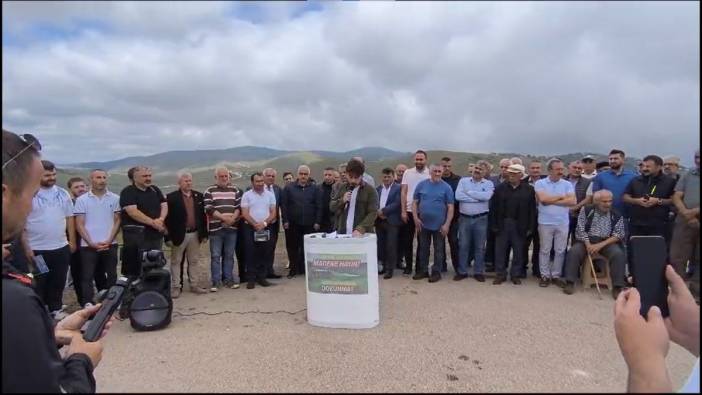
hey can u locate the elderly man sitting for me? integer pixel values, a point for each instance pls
(600, 229)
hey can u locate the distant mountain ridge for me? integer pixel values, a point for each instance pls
(243, 161)
(183, 159)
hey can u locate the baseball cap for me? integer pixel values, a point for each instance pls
(516, 169)
(588, 158)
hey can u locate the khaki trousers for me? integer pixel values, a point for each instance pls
(198, 269)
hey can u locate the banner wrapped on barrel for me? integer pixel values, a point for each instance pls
(344, 274)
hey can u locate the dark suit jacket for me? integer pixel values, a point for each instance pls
(175, 221)
(276, 225)
(392, 209)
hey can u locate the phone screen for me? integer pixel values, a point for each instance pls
(649, 261)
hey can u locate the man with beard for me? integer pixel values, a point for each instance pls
(452, 179)
(649, 197)
(31, 362)
(325, 191)
(76, 187)
(356, 209)
(49, 247)
(97, 221)
(144, 211)
(410, 179)
(614, 180)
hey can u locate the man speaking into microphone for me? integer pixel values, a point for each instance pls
(357, 208)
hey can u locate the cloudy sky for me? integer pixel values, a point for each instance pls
(104, 80)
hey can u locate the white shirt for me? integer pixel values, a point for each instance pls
(99, 215)
(46, 224)
(259, 204)
(384, 193)
(352, 211)
(411, 178)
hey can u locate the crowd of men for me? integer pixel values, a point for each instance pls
(491, 222)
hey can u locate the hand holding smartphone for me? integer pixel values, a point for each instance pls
(649, 261)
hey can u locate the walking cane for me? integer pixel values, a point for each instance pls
(594, 275)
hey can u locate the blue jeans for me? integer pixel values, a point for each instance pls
(472, 234)
(222, 249)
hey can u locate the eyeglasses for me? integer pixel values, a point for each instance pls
(28, 139)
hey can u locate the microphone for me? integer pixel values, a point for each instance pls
(349, 188)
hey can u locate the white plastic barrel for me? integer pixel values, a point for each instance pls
(342, 281)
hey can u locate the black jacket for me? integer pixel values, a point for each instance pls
(175, 221)
(325, 192)
(30, 357)
(275, 226)
(301, 205)
(661, 186)
(526, 220)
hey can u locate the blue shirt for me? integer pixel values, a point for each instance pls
(553, 214)
(474, 197)
(615, 183)
(432, 199)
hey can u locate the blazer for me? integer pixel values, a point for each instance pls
(175, 220)
(392, 209)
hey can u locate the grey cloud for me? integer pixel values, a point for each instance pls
(522, 77)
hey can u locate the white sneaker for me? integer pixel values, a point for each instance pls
(213, 289)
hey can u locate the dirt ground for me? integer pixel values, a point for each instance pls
(443, 337)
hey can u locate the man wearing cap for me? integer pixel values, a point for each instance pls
(589, 170)
(511, 218)
(555, 195)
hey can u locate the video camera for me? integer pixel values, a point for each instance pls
(150, 260)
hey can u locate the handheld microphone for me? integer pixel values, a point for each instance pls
(349, 188)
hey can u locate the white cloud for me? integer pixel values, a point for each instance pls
(525, 77)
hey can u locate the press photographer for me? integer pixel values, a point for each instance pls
(30, 342)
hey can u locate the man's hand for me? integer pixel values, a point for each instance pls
(688, 214)
(92, 349)
(381, 215)
(445, 229)
(683, 324)
(593, 249)
(347, 197)
(69, 327)
(644, 343)
(639, 338)
(418, 224)
(5, 251)
(356, 233)
(72, 247)
(404, 216)
(315, 227)
(258, 226)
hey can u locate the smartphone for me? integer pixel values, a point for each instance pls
(649, 260)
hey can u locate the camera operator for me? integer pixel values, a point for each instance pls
(30, 342)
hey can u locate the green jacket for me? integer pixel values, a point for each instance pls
(366, 208)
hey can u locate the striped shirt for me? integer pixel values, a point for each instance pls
(601, 226)
(225, 200)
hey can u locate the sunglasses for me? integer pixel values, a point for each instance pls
(28, 139)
